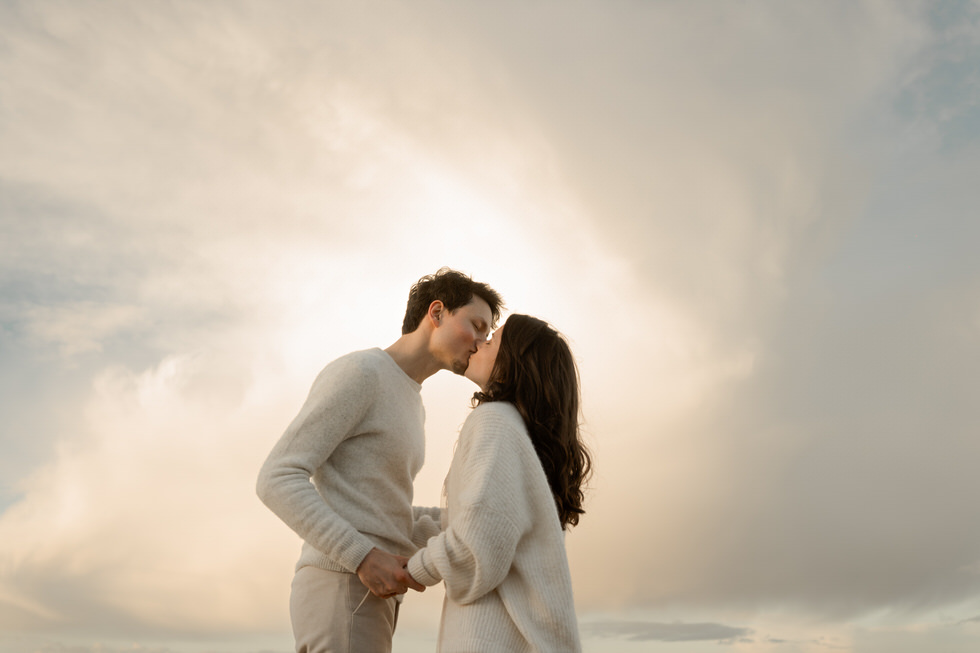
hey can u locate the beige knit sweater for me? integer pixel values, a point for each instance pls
(360, 438)
(502, 551)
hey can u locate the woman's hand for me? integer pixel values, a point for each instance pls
(385, 574)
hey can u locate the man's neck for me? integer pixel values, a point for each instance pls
(411, 353)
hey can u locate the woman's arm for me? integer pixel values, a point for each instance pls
(488, 512)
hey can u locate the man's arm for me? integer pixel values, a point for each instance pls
(338, 401)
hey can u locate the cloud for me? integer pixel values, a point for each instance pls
(755, 225)
(148, 497)
(707, 152)
(79, 327)
(664, 632)
(830, 450)
(193, 242)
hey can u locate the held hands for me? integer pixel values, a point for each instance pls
(385, 575)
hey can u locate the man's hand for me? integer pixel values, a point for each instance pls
(385, 575)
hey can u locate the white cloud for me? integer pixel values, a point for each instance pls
(157, 493)
(79, 327)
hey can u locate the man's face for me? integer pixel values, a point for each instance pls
(459, 334)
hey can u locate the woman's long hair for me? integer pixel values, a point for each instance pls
(536, 372)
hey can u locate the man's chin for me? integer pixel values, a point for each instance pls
(459, 367)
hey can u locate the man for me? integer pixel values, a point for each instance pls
(359, 438)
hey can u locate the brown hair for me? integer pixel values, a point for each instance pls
(536, 372)
(454, 289)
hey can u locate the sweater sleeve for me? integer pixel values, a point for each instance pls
(428, 523)
(338, 401)
(488, 512)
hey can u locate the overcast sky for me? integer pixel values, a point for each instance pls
(756, 221)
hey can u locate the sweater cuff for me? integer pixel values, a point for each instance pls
(416, 567)
(426, 526)
(352, 557)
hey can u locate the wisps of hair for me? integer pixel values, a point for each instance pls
(535, 371)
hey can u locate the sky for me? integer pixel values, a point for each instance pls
(755, 221)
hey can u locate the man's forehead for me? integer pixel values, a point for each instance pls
(482, 307)
(478, 308)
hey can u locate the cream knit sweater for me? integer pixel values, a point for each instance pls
(360, 438)
(502, 551)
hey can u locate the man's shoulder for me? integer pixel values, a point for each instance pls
(358, 368)
(362, 359)
(373, 367)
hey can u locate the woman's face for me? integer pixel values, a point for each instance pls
(481, 363)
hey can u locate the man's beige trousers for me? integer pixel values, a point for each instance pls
(332, 612)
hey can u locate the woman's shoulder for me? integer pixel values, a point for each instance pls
(494, 423)
(502, 412)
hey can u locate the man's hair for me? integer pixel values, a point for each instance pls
(454, 289)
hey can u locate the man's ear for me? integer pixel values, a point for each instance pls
(436, 312)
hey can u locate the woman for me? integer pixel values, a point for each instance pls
(515, 484)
